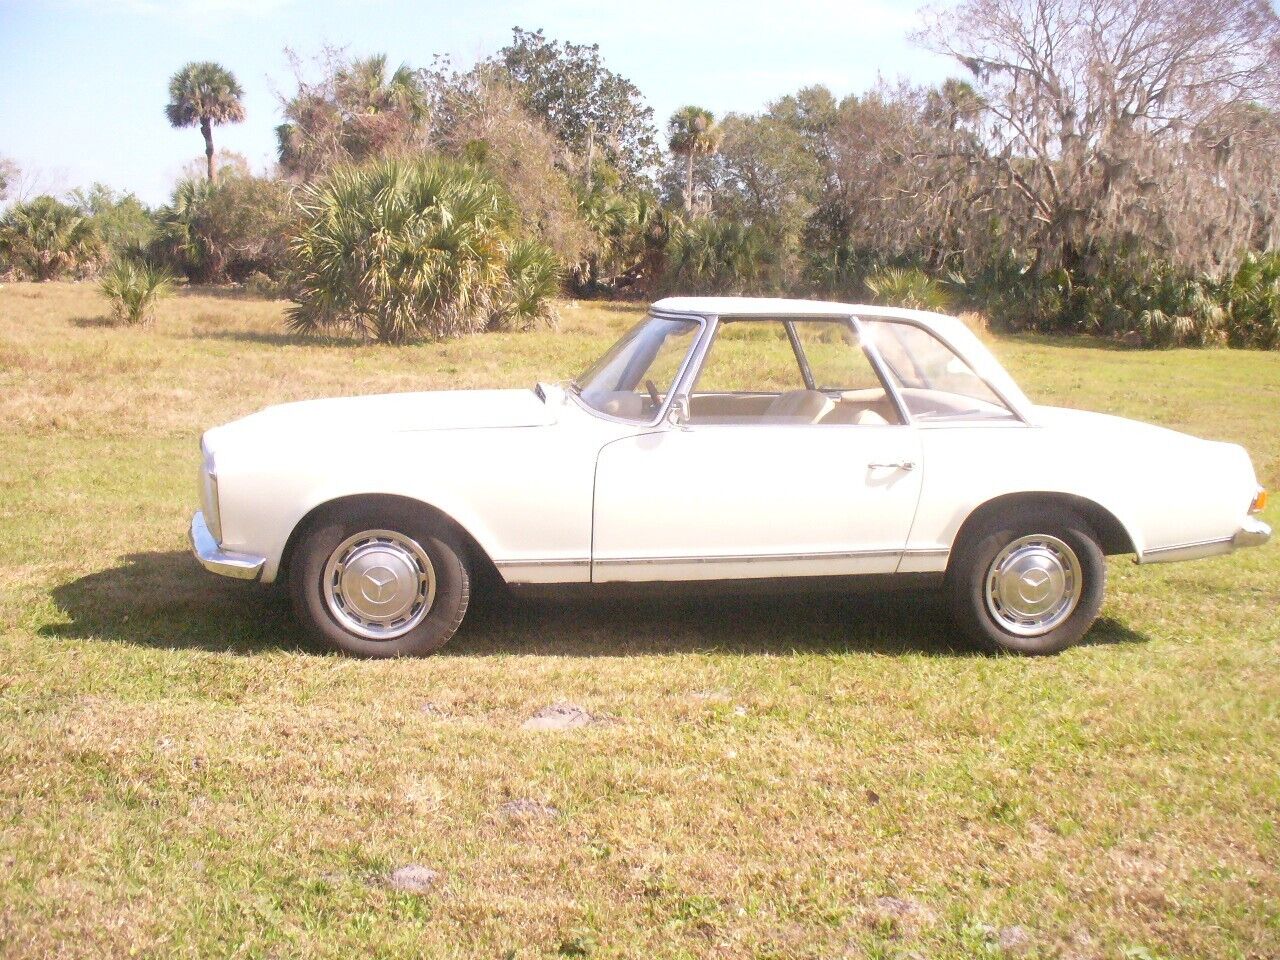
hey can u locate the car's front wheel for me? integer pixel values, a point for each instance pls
(1029, 581)
(375, 584)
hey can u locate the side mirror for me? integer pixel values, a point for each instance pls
(678, 414)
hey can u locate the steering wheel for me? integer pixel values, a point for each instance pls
(654, 396)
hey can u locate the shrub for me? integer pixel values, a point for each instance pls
(226, 230)
(1251, 299)
(44, 239)
(533, 280)
(907, 287)
(134, 287)
(719, 256)
(121, 220)
(404, 248)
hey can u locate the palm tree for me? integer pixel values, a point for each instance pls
(411, 247)
(692, 131)
(365, 87)
(204, 94)
(954, 101)
(45, 238)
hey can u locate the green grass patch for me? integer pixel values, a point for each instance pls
(182, 774)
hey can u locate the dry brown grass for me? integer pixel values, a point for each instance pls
(182, 775)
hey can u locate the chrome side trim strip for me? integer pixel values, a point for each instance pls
(1190, 545)
(578, 563)
(518, 564)
(1195, 550)
(769, 557)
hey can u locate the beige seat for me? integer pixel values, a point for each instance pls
(799, 406)
(869, 418)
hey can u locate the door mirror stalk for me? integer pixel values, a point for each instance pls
(678, 414)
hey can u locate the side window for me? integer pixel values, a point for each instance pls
(935, 382)
(835, 357)
(754, 373)
(750, 356)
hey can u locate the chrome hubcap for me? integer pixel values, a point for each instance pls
(379, 584)
(1033, 585)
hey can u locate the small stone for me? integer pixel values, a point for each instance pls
(558, 716)
(898, 907)
(523, 807)
(413, 878)
(900, 912)
(1015, 939)
(706, 695)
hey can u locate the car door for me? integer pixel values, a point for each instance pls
(788, 463)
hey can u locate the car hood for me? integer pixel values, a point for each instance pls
(391, 413)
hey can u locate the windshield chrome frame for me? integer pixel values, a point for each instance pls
(696, 349)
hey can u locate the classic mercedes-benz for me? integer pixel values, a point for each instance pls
(720, 439)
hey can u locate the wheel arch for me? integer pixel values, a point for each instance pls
(1113, 536)
(345, 505)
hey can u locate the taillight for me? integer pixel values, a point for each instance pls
(1259, 502)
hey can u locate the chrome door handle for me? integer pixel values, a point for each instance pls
(899, 465)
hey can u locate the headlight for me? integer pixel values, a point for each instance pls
(209, 494)
(1259, 502)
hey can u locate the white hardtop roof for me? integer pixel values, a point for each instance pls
(782, 306)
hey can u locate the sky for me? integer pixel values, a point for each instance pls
(83, 83)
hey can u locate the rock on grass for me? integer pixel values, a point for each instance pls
(413, 878)
(899, 913)
(559, 716)
(532, 809)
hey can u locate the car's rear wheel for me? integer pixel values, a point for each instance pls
(375, 584)
(1027, 581)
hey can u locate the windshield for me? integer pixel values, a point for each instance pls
(934, 381)
(633, 379)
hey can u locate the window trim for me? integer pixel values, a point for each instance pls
(705, 323)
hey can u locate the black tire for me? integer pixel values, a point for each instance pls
(972, 566)
(443, 613)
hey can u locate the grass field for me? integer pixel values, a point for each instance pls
(182, 775)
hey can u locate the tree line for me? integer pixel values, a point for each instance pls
(1095, 166)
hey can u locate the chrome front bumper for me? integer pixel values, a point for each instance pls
(241, 566)
(1252, 533)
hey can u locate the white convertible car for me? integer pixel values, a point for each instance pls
(720, 439)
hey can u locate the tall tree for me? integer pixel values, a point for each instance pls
(1109, 117)
(591, 110)
(8, 176)
(202, 94)
(357, 110)
(692, 132)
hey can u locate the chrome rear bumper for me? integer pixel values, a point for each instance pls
(1252, 533)
(241, 566)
